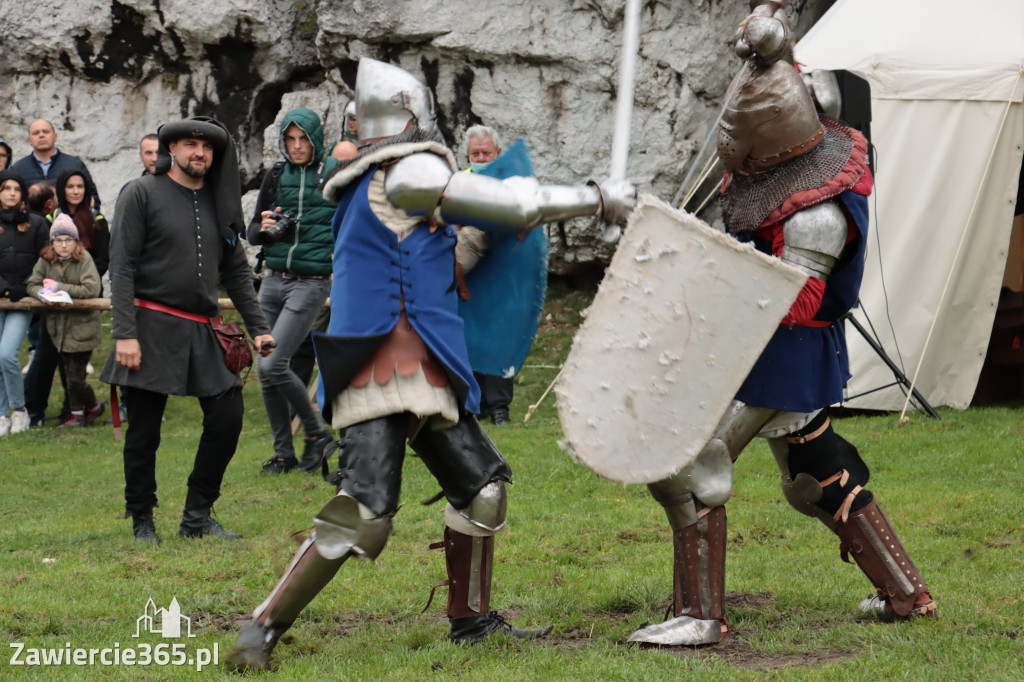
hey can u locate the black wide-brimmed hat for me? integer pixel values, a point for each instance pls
(198, 128)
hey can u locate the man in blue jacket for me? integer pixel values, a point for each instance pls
(46, 161)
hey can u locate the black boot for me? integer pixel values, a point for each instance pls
(499, 416)
(279, 465)
(313, 454)
(196, 520)
(472, 629)
(469, 561)
(144, 528)
(253, 647)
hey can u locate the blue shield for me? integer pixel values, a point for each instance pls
(507, 286)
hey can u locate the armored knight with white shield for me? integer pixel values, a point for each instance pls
(797, 188)
(393, 362)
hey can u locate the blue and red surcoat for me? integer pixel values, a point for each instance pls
(805, 364)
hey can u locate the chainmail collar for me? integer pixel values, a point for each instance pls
(405, 143)
(750, 199)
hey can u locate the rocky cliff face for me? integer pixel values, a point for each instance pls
(108, 72)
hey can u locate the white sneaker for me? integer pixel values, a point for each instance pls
(5, 426)
(19, 421)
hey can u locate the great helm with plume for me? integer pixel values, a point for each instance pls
(390, 100)
(770, 117)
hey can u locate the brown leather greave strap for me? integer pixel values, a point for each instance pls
(699, 575)
(469, 561)
(869, 537)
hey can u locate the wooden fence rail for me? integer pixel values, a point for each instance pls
(29, 303)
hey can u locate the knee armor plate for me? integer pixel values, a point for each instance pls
(340, 529)
(823, 476)
(485, 515)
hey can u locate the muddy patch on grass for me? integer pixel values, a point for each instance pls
(218, 622)
(745, 600)
(737, 651)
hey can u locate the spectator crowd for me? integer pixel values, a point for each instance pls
(55, 245)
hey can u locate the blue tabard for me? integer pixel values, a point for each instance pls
(372, 270)
(803, 369)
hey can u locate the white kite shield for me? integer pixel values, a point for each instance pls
(681, 316)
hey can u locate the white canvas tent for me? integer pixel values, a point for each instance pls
(948, 125)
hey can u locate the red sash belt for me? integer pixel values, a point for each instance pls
(160, 307)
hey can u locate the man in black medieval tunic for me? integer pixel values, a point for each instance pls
(174, 237)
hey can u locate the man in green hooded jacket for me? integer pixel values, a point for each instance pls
(292, 222)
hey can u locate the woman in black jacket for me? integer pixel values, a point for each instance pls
(74, 196)
(22, 236)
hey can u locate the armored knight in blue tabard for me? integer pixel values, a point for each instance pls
(393, 362)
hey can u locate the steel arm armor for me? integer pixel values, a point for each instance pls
(521, 203)
(424, 182)
(416, 182)
(814, 239)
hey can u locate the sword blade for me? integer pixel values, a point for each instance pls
(627, 77)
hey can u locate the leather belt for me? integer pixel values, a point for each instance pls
(291, 275)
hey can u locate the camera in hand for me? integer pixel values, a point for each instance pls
(270, 235)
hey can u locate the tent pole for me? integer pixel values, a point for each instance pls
(901, 378)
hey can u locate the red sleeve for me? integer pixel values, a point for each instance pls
(806, 305)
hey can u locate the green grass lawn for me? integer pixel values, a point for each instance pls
(591, 556)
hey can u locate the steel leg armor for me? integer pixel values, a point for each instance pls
(307, 574)
(823, 476)
(472, 473)
(355, 522)
(463, 459)
(693, 500)
(698, 590)
(709, 476)
(343, 528)
(902, 592)
(468, 560)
